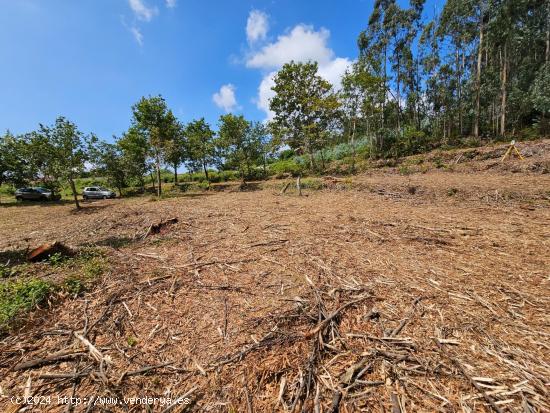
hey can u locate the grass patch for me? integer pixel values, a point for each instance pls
(20, 296)
(27, 290)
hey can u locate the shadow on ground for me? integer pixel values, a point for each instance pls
(11, 258)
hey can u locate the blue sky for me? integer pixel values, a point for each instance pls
(90, 60)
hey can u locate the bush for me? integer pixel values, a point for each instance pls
(289, 166)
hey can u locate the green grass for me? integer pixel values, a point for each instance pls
(20, 296)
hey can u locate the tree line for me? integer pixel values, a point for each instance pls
(58, 154)
(478, 70)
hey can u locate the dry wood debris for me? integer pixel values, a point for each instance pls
(342, 301)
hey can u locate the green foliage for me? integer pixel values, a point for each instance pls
(56, 259)
(315, 184)
(452, 191)
(201, 151)
(153, 119)
(289, 166)
(236, 143)
(131, 341)
(305, 108)
(7, 271)
(21, 295)
(73, 286)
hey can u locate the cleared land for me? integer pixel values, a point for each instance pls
(420, 292)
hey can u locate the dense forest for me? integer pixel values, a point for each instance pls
(477, 71)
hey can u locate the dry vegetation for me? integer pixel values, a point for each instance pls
(395, 291)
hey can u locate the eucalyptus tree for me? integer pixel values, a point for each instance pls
(360, 97)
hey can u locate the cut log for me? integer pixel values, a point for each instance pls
(45, 251)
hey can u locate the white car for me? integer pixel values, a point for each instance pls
(97, 192)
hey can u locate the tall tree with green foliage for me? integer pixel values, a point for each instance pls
(135, 151)
(175, 151)
(66, 151)
(237, 143)
(109, 160)
(360, 95)
(15, 168)
(261, 142)
(305, 108)
(200, 149)
(152, 117)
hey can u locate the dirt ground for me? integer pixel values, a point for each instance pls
(402, 293)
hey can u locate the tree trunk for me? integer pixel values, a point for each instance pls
(299, 185)
(503, 91)
(353, 146)
(385, 87)
(206, 172)
(153, 181)
(478, 80)
(459, 91)
(142, 183)
(175, 174)
(75, 195)
(159, 183)
(398, 95)
(547, 52)
(243, 181)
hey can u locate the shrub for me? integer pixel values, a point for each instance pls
(289, 166)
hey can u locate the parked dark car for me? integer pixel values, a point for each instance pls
(97, 192)
(35, 194)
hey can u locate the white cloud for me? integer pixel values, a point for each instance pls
(301, 44)
(265, 94)
(142, 11)
(334, 70)
(171, 3)
(225, 98)
(257, 26)
(137, 34)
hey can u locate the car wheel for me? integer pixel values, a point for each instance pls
(18, 198)
(104, 197)
(84, 197)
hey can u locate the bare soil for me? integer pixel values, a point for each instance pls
(405, 293)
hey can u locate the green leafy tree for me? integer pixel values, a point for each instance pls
(305, 107)
(15, 168)
(152, 117)
(262, 144)
(237, 143)
(110, 161)
(135, 151)
(65, 151)
(360, 95)
(175, 151)
(540, 95)
(200, 148)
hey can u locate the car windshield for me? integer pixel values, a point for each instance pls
(103, 189)
(42, 189)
